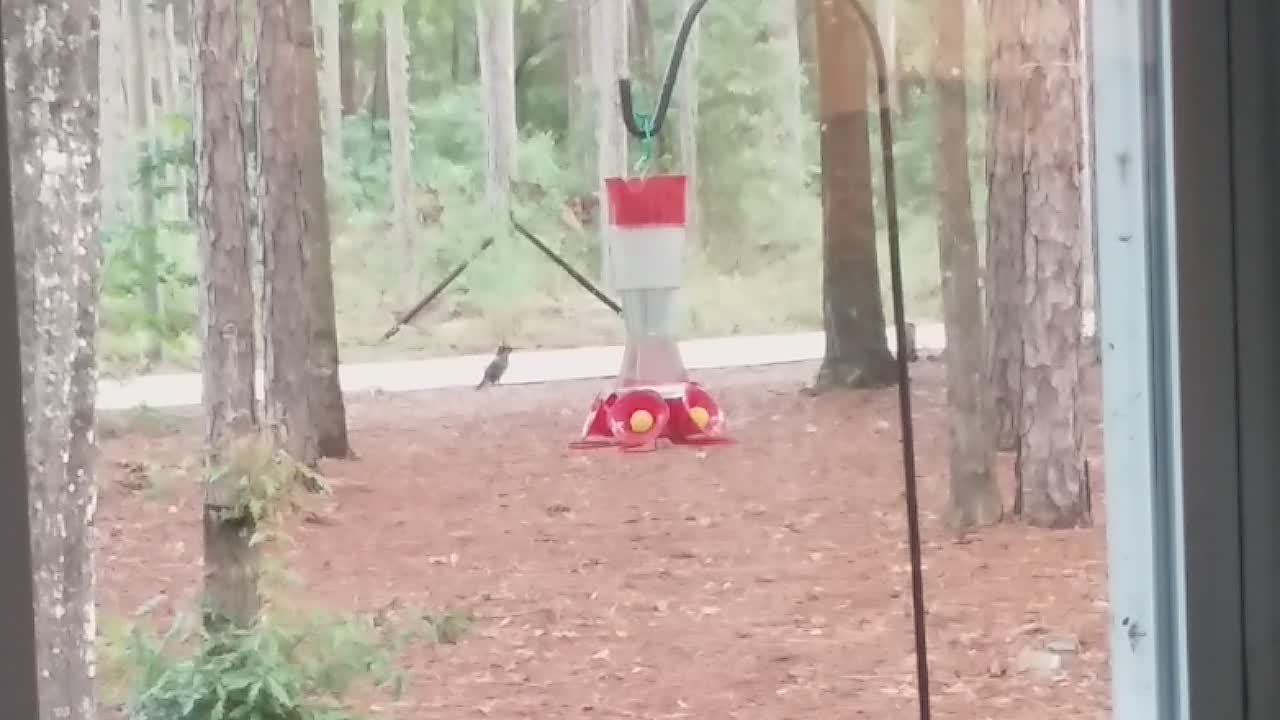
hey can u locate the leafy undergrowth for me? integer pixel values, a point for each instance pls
(289, 666)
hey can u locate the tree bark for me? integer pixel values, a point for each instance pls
(608, 63)
(226, 303)
(784, 41)
(1050, 470)
(1007, 148)
(347, 57)
(113, 61)
(142, 109)
(51, 63)
(396, 70)
(975, 495)
(324, 386)
(287, 217)
(857, 353)
(495, 35)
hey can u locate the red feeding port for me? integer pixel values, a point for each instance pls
(692, 417)
(697, 418)
(638, 419)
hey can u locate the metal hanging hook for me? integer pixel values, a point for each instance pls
(659, 116)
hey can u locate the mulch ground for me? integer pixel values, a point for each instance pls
(764, 580)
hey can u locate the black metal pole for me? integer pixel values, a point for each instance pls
(408, 317)
(668, 83)
(579, 277)
(904, 368)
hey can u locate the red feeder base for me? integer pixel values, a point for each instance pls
(633, 419)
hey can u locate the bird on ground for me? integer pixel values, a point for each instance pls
(497, 367)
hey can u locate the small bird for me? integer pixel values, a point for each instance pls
(497, 366)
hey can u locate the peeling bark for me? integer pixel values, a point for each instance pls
(1052, 478)
(51, 65)
(975, 496)
(857, 354)
(1008, 147)
(226, 300)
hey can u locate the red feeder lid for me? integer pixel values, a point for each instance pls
(658, 200)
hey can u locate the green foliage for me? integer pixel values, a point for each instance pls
(756, 264)
(163, 160)
(290, 666)
(257, 481)
(760, 207)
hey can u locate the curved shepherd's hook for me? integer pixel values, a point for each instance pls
(899, 309)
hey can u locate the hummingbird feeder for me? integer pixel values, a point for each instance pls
(653, 398)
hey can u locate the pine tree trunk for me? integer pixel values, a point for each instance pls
(857, 353)
(174, 103)
(142, 108)
(1050, 470)
(51, 65)
(166, 62)
(581, 93)
(347, 57)
(380, 100)
(329, 17)
(113, 62)
(686, 106)
(324, 386)
(495, 35)
(227, 303)
(286, 215)
(975, 496)
(1007, 147)
(609, 63)
(396, 71)
(784, 40)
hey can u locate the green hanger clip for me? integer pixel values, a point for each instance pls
(648, 142)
